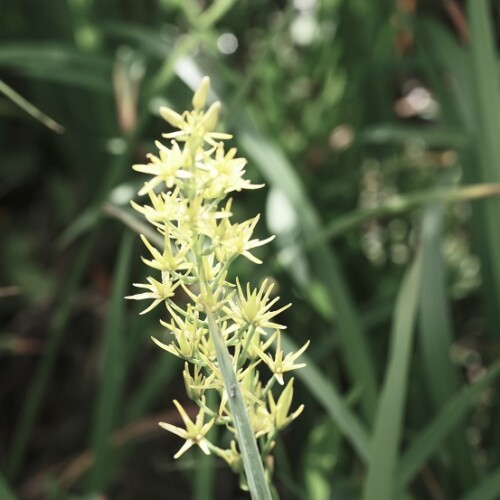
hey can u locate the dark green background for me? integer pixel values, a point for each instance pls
(366, 119)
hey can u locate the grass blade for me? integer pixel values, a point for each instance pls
(431, 438)
(30, 108)
(488, 489)
(379, 484)
(113, 369)
(58, 63)
(436, 336)
(386, 133)
(328, 397)
(252, 463)
(278, 172)
(485, 80)
(399, 204)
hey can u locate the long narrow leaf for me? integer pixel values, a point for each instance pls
(278, 172)
(399, 204)
(113, 369)
(252, 462)
(431, 438)
(327, 396)
(58, 63)
(434, 137)
(30, 108)
(435, 336)
(488, 489)
(388, 424)
(485, 79)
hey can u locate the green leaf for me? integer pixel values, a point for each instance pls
(30, 108)
(113, 370)
(487, 489)
(320, 458)
(329, 398)
(58, 63)
(386, 133)
(277, 170)
(402, 203)
(436, 336)
(485, 81)
(427, 442)
(386, 436)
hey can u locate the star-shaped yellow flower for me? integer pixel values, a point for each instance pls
(253, 308)
(167, 167)
(159, 291)
(279, 365)
(194, 433)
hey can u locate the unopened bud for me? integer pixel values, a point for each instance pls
(211, 117)
(201, 94)
(175, 119)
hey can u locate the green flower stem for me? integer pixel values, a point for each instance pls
(269, 386)
(254, 470)
(247, 344)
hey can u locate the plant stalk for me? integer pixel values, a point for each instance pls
(252, 462)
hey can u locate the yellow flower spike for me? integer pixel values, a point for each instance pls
(196, 125)
(222, 331)
(195, 432)
(201, 94)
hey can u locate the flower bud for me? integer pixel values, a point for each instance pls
(201, 94)
(175, 119)
(211, 117)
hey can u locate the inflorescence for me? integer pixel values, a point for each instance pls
(190, 180)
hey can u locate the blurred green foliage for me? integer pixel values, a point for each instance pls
(369, 122)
